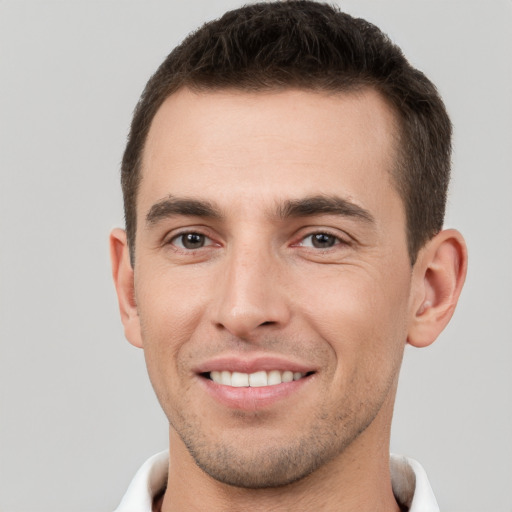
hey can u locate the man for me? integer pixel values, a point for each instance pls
(284, 183)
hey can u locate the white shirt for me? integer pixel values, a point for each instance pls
(409, 480)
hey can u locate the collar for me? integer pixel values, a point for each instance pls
(409, 480)
(411, 486)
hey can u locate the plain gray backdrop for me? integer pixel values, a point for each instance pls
(77, 414)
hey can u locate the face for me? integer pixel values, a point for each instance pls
(272, 279)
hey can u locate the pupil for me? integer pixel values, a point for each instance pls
(323, 240)
(193, 240)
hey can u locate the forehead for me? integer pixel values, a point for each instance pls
(239, 146)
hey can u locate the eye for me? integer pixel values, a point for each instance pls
(320, 241)
(191, 241)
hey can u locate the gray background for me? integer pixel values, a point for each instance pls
(77, 413)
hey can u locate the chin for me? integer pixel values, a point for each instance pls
(253, 463)
(262, 471)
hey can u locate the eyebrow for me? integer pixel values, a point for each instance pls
(323, 205)
(171, 206)
(304, 207)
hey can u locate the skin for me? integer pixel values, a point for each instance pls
(258, 285)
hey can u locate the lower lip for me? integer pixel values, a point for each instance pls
(251, 399)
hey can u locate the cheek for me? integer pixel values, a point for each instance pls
(170, 302)
(170, 306)
(360, 314)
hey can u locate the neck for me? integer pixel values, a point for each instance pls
(357, 480)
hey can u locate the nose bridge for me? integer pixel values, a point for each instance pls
(250, 295)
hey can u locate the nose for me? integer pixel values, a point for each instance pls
(252, 295)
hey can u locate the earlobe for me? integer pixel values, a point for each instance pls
(438, 275)
(122, 273)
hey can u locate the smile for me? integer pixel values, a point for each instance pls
(254, 380)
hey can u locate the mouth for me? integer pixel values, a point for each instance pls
(256, 383)
(256, 379)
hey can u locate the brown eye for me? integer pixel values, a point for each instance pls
(320, 241)
(191, 241)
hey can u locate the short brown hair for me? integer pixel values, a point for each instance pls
(309, 45)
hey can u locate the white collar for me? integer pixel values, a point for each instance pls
(409, 480)
(411, 486)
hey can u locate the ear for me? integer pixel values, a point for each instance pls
(122, 272)
(438, 277)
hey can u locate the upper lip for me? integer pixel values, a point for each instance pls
(236, 363)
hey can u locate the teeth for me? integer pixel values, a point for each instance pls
(254, 380)
(258, 379)
(239, 380)
(287, 376)
(274, 377)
